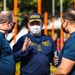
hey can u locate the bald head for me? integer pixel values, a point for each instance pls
(6, 16)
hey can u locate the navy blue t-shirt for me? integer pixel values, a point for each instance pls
(36, 60)
(68, 51)
(7, 62)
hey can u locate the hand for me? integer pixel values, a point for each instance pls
(55, 60)
(26, 44)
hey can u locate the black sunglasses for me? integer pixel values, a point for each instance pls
(12, 23)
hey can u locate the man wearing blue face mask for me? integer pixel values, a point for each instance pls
(7, 61)
(35, 50)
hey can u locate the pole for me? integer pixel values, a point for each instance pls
(74, 3)
(53, 7)
(61, 32)
(15, 19)
(52, 32)
(39, 6)
(4, 5)
(45, 23)
(67, 36)
(53, 14)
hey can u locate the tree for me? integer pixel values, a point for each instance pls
(28, 6)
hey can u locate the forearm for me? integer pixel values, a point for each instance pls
(60, 71)
(17, 55)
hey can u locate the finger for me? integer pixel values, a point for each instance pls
(24, 45)
(26, 39)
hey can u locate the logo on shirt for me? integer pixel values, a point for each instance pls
(46, 43)
(39, 48)
(32, 44)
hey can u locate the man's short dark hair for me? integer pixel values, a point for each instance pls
(69, 14)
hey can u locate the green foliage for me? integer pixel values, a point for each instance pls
(28, 6)
(0, 6)
(18, 69)
(52, 68)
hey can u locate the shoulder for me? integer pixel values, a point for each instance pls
(21, 39)
(1, 40)
(47, 37)
(69, 47)
(1, 37)
(69, 51)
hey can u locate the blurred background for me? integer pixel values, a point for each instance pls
(52, 14)
(51, 11)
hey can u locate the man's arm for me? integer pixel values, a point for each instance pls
(65, 67)
(19, 50)
(26, 44)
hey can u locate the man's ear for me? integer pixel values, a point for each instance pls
(7, 24)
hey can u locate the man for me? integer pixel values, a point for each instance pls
(37, 51)
(66, 63)
(7, 62)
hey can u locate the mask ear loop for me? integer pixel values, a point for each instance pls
(66, 24)
(62, 23)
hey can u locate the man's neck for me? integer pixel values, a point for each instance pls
(3, 31)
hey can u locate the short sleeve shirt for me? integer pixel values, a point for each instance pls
(68, 51)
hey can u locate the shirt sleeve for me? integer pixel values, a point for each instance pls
(17, 50)
(0, 47)
(69, 52)
(19, 54)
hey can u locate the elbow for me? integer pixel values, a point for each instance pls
(64, 72)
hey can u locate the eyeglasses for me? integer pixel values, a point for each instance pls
(12, 23)
(62, 22)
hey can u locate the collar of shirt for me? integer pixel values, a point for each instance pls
(36, 39)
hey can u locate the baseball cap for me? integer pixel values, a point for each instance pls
(35, 17)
